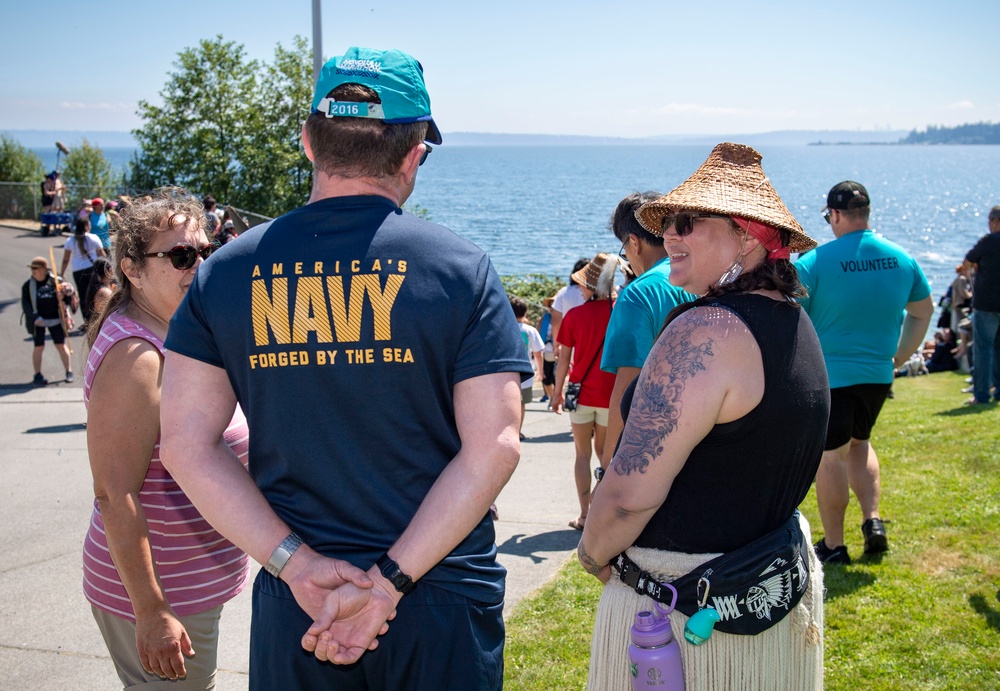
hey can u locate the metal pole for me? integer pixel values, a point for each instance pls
(317, 41)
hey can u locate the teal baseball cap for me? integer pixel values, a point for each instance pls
(395, 76)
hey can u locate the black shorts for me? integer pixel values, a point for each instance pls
(439, 641)
(853, 412)
(548, 373)
(57, 332)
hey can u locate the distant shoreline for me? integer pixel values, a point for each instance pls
(46, 139)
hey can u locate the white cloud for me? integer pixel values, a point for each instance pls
(962, 105)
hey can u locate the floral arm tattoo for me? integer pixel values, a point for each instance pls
(657, 405)
(589, 564)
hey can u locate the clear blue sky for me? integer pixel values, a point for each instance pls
(529, 66)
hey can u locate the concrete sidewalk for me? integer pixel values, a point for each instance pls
(48, 637)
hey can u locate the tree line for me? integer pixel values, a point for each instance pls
(226, 126)
(972, 133)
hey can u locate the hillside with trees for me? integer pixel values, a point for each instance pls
(976, 133)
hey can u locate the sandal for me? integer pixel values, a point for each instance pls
(578, 523)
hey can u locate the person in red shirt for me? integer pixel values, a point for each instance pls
(581, 335)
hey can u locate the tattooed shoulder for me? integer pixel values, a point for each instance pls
(684, 349)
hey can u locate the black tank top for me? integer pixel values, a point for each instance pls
(746, 476)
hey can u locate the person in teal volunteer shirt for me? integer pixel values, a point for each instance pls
(99, 225)
(859, 286)
(640, 311)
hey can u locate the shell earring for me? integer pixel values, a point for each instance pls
(734, 271)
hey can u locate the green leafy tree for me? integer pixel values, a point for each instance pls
(533, 288)
(275, 175)
(17, 163)
(198, 138)
(87, 173)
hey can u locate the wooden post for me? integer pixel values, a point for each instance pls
(62, 304)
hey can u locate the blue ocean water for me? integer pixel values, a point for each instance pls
(540, 208)
(118, 157)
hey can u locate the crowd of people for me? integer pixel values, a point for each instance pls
(88, 254)
(713, 389)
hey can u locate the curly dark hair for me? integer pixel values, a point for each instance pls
(165, 208)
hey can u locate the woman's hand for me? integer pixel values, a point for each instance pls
(162, 643)
(557, 401)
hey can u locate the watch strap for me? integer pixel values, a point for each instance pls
(390, 569)
(282, 553)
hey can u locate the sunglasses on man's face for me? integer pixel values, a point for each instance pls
(183, 257)
(427, 152)
(683, 223)
(826, 217)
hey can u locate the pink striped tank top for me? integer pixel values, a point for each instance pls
(199, 569)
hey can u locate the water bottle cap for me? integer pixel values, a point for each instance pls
(651, 629)
(700, 625)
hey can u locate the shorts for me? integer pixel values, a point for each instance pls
(853, 412)
(202, 629)
(438, 640)
(548, 373)
(586, 414)
(527, 394)
(57, 332)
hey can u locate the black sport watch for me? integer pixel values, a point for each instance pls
(598, 473)
(390, 570)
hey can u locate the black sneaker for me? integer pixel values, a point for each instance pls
(875, 539)
(39, 380)
(826, 555)
(70, 378)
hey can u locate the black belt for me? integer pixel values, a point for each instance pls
(752, 587)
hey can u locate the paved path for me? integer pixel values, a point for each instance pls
(48, 638)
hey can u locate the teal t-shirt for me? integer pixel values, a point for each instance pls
(99, 226)
(638, 317)
(858, 286)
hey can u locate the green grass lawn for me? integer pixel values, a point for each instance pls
(926, 615)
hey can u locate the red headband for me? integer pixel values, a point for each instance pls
(768, 236)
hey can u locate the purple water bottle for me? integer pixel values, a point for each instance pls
(654, 657)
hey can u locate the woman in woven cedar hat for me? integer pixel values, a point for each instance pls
(722, 441)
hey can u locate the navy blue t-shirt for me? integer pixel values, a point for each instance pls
(986, 289)
(343, 327)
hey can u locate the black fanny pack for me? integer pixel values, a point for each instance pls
(752, 588)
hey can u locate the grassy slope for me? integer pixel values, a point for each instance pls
(924, 616)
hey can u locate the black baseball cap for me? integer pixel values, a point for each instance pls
(848, 195)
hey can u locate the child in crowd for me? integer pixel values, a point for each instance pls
(533, 344)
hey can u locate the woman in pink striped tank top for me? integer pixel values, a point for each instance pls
(155, 572)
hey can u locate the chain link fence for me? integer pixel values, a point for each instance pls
(23, 200)
(20, 200)
(252, 219)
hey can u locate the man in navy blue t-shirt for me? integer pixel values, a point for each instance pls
(985, 258)
(379, 365)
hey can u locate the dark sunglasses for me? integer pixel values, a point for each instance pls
(427, 152)
(683, 223)
(826, 217)
(183, 257)
(621, 252)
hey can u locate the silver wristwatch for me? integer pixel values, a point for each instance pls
(282, 553)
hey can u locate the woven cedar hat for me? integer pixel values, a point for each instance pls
(730, 182)
(589, 274)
